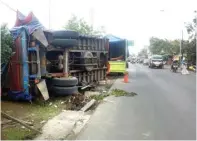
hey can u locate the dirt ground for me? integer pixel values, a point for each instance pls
(35, 113)
(38, 113)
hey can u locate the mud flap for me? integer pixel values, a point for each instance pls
(43, 89)
(39, 35)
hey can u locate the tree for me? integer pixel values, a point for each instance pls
(80, 25)
(191, 26)
(6, 43)
(164, 46)
(143, 53)
(189, 47)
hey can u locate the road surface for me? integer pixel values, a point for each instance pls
(165, 108)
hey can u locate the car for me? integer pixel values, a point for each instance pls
(133, 62)
(128, 60)
(156, 61)
(145, 62)
(141, 61)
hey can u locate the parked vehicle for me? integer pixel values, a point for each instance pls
(133, 61)
(145, 62)
(141, 61)
(118, 53)
(156, 61)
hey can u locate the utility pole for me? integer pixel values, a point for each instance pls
(196, 26)
(92, 17)
(49, 14)
(181, 43)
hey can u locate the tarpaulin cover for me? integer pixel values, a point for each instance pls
(17, 75)
(117, 47)
(30, 23)
(113, 38)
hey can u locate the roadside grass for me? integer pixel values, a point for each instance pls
(38, 113)
(118, 92)
(114, 92)
(17, 133)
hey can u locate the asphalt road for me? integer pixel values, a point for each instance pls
(164, 109)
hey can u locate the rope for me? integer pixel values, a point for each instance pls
(12, 9)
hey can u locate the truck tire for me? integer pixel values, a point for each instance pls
(63, 91)
(64, 43)
(65, 82)
(63, 34)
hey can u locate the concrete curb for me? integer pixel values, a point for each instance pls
(65, 124)
(82, 120)
(88, 105)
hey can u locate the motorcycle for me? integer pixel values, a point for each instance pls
(175, 67)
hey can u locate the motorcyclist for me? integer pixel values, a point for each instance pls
(175, 61)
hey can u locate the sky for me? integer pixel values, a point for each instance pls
(136, 20)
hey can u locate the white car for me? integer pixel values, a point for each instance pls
(156, 61)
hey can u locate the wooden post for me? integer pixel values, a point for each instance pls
(18, 121)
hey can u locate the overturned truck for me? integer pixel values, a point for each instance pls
(55, 61)
(80, 56)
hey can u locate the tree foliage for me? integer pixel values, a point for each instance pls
(80, 25)
(143, 53)
(191, 26)
(6, 43)
(164, 46)
(189, 47)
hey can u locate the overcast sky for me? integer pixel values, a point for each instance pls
(136, 20)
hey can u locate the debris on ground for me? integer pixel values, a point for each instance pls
(88, 105)
(35, 113)
(103, 82)
(63, 123)
(18, 121)
(99, 97)
(91, 93)
(77, 101)
(43, 121)
(118, 92)
(114, 92)
(40, 113)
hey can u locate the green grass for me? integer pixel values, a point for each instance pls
(118, 92)
(17, 133)
(99, 97)
(114, 92)
(38, 112)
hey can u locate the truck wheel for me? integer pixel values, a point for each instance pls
(63, 91)
(65, 81)
(62, 34)
(64, 43)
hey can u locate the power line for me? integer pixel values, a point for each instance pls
(8, 6)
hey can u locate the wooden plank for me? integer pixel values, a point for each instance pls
(18, 121)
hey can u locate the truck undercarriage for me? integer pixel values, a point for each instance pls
(87, 60)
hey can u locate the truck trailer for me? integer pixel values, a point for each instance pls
(53, 62)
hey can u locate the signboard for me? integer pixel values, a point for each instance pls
(130, 43)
